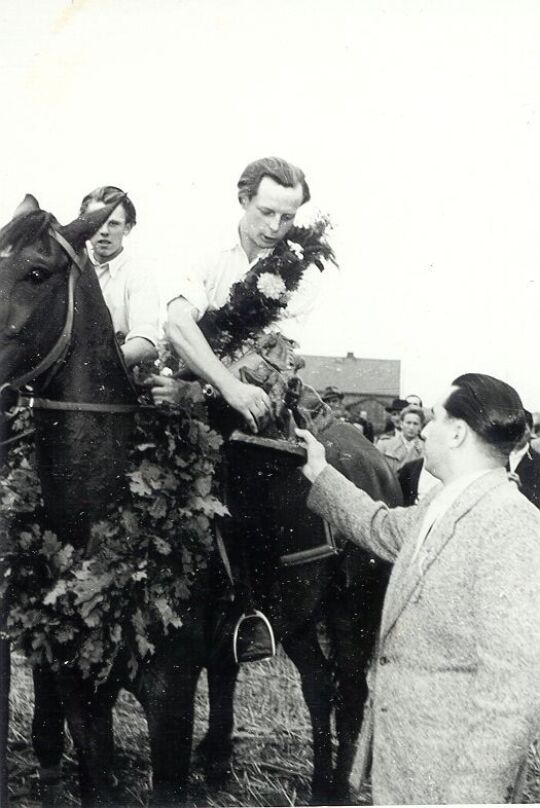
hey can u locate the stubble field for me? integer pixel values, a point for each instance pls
(272, 745)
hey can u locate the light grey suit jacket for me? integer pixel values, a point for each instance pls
(456, 690)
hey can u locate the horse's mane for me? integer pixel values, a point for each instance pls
(27, 229)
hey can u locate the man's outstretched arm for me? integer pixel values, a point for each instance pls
(370, 524)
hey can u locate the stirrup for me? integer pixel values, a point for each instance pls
(253, 638)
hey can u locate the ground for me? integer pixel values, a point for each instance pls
(272, 745)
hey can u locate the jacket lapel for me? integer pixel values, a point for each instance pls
(408, 573)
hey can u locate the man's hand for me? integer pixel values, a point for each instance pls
(251, 401)
(316, 461)
(164, 389)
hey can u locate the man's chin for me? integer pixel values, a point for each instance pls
(103, 256)
(431, 469)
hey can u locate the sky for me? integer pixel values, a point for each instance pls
(416, 122)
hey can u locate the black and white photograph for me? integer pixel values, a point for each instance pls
(269, 403)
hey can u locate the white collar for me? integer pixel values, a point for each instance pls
(236, 244)
(516, 457)
(114, 265)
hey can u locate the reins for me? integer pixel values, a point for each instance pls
(79, 406)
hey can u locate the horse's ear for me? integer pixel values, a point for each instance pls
(85, 225)
(28, 205)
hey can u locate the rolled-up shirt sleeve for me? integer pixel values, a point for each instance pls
(192, 285)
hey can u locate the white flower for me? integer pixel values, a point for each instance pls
(271, 286)
(165, 372)
(296, 249)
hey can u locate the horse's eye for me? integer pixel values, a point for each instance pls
(37, 275)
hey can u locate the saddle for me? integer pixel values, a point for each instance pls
(267, 461)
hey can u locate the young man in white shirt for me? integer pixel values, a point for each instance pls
(129, 291)
(270, 192)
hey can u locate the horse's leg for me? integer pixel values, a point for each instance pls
(354, 619)
(48, 733)
(216, 749)
(317, 686)
(168, 695)
(89, 716)
(352, 655)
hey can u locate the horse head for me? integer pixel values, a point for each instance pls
(36, 255)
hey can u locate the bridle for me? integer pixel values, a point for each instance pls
(51, 363)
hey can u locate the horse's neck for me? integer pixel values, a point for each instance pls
(82, 455)
(94, 371)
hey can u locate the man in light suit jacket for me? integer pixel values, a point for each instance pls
(455, 681)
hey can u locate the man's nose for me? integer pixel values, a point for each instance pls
(275, 222)
(104, 229)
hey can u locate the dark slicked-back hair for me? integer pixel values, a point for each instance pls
(277, 169)
(491, 408)
(108, 194)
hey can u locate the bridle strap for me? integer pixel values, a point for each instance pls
(59, 349)
(67, 248)
(79, 406)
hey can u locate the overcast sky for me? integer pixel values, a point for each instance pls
(417, 124)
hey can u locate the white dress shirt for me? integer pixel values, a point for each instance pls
(131, 295)
(516, 457)
(426, 482)
(208, 282)
(442, 502)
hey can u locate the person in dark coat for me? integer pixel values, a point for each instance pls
(415, 481)
(408, 476)
(524, 463)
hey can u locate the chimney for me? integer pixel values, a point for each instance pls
(350, 355)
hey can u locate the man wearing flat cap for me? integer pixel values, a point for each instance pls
(393, 423)
(394, 410)
(333, 396)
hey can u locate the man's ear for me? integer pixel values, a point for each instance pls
(128, 228)
(244, 200)
(459, 433)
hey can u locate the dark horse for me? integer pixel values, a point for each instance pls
(283, 551)
(56, 332)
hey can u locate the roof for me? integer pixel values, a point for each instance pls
(353, 375)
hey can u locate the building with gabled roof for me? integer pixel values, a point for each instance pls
(366, 384)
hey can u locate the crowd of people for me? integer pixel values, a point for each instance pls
(454, 693)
